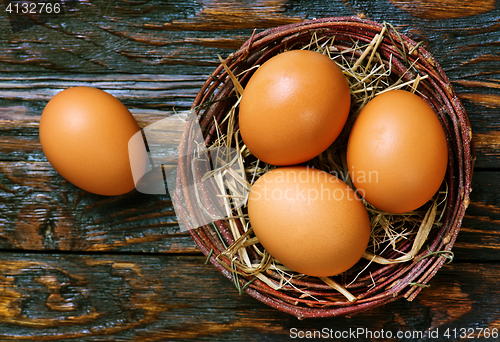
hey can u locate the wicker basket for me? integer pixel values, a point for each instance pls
(385, 283)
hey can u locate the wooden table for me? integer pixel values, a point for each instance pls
(80, 267)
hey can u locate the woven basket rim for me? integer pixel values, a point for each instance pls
(419, 271)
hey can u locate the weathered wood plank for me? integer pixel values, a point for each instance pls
(166, 298)
(149, 97)
(479, 238)
(135, 91)
(117, 37)
(41, 211)
(152, 97)
(448, 9)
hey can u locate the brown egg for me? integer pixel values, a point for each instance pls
(293, 107)
(309, 220)
(397, 152)
(84, 134)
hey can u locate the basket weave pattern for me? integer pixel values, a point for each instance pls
(385, 283)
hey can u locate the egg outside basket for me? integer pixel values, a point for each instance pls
(379, 283)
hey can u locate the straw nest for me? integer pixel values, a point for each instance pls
(406, 250)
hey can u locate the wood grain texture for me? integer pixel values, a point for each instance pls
(42, 211)
(153, 97)
(153, 298)
(448, 9)
(228, 15)
(116, 36)
(479, 236)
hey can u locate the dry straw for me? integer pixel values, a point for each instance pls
(405, 251)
